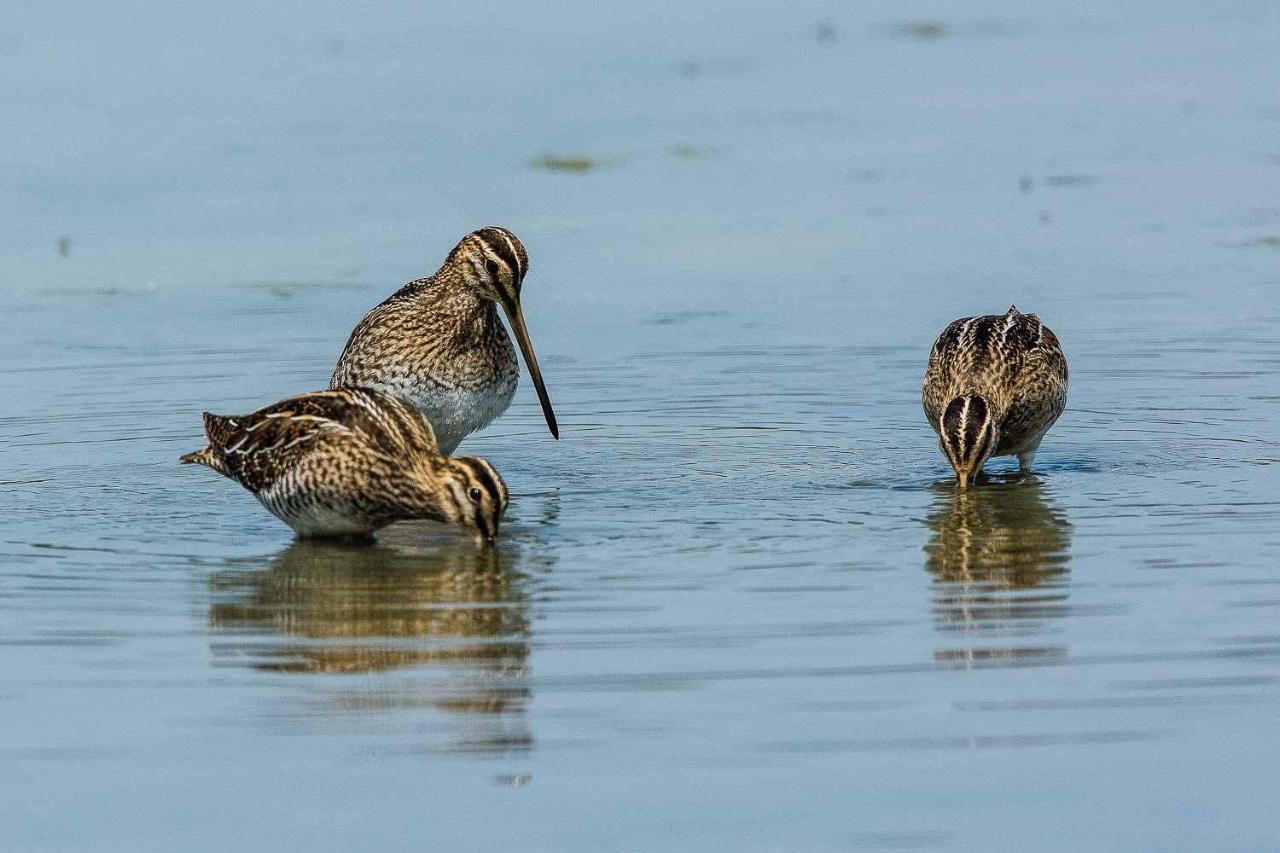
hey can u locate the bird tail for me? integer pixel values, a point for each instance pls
(201, 457)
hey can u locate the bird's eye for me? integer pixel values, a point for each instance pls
(475, 495)
(492, 266)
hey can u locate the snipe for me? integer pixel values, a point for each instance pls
(438, 343)
(994, 386)
(347, 462)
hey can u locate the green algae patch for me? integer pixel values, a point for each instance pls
(577, 163)
(924, 29)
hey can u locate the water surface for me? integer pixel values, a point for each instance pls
(738, 605)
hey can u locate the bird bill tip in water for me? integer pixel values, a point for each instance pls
(515, 316)
(551, 421)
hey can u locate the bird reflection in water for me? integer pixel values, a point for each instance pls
(999, 555)
(430, 624)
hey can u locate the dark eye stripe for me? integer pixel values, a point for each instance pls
(487, 477)
(504, 246)
(502, 493)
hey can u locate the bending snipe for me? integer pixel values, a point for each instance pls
(438, 343)
(994, 387)
(349, 461)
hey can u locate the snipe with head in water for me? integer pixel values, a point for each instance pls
(346, 462)
(994, 386)
(438, 343)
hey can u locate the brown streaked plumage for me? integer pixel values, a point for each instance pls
(346, 462)
(994, 386)
(438, 343)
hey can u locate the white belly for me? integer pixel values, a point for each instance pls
(313, 519)
(455, 414)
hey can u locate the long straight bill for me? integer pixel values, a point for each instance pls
(516, 318)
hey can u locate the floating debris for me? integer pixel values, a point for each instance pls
(1070, 180)
(1025, 184)
(1269, 241)
(513, 780)
(691, 152)
(64, 246)
(926, 29)
(825, 32)
(573, 163)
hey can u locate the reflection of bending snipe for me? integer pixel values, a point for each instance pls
(999, 557)
(1006, 536)
(453, 618)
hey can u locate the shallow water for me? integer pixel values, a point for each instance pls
(737, 605)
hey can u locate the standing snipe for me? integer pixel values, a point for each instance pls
(994, 386)
(349, 461)
(438, 343)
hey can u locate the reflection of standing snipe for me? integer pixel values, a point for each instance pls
(347, 462)
(994, 386)
(437, 342)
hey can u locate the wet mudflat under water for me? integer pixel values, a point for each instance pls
(738, 605)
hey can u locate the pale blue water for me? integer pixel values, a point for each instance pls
(738, 606)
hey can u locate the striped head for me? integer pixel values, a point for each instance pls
(493, 263)
(968, 436)
(475, 496)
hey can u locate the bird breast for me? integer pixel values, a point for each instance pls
(457, 412)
